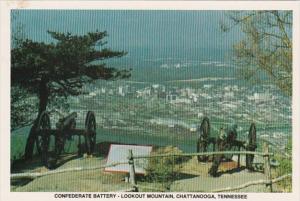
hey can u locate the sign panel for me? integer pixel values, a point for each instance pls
(118, 153)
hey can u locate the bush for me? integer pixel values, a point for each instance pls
(285, 167)
(164, 170)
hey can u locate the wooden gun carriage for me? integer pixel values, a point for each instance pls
(50, 142)
(224, 144)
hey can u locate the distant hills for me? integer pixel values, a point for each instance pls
(162, 65)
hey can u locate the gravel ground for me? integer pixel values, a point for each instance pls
(194, 178)
(79, 181)
(206, 183)
(230, 176)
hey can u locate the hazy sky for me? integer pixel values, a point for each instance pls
(131, 29)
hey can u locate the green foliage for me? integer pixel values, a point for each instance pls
(57, 69)
(265, 50)
(23, 107)
(285, 167)
(67, 64)
(164, 170)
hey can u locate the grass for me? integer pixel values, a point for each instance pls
(285, 167)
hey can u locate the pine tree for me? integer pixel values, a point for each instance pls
(61, 68)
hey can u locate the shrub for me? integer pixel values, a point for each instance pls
(164, 170)
(285, 167)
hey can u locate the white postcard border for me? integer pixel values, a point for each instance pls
(6, 6)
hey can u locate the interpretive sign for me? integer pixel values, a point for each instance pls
(118, 153)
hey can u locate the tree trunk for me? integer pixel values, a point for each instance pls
(43, 101)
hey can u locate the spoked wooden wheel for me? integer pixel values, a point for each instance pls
(202, 143)
(90, 132)
(49, 150)
(251, 146)
(42, 126)
(47, 141)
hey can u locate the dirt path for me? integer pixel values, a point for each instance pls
(79, 181)
(194, 177)
(207, 183)
(230, 176)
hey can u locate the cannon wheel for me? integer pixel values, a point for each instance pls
(43, 124)
(90, 132)
(202, 142)
(251, 146)
(49, 154)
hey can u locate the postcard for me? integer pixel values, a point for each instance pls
(149, 100)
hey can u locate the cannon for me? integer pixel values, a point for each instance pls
(226, 141)
(50, 142)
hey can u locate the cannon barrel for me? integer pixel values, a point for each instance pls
(63, 122)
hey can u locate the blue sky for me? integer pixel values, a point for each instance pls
(130, 30)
